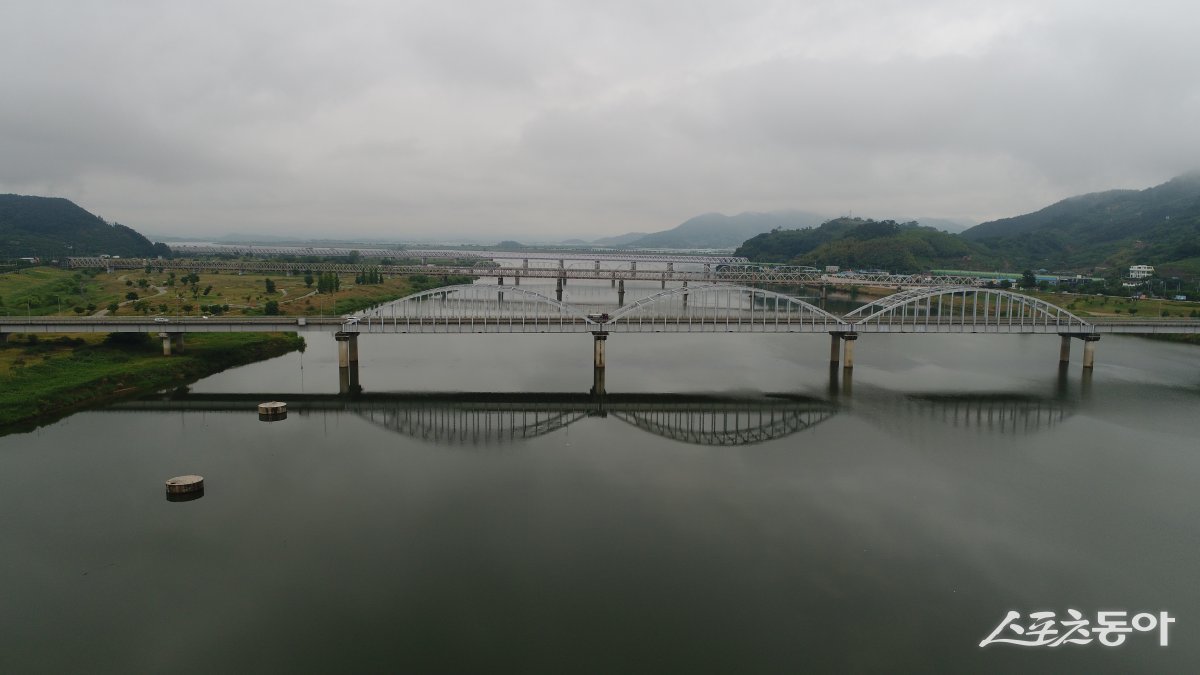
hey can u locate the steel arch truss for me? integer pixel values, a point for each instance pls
(471, 308)
(722, 308)
(725, 427)
(471, 426)
(968, 309)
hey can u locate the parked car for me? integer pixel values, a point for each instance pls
(161, 319)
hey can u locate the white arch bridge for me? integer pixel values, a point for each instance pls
(705, 308)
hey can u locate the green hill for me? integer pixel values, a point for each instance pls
(866, 244)
(1159, 226)
(50, 227)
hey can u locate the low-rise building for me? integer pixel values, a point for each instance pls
(1140, 271)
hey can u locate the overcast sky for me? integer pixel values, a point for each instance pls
(566, 118)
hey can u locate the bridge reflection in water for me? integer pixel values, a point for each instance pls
(492, 419)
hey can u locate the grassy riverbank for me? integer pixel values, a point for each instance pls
(45, 379)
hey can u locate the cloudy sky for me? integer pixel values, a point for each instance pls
(562, 118)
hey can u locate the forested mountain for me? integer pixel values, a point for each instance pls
(717, 230)
(1158, 226)
(858, 243)
(51, 227)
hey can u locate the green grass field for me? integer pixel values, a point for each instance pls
(46, 290)
(42, 379)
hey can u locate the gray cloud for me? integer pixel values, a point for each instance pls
(584, 119)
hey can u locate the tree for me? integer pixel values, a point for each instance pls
(270, 285)
(308, 279)
(113, 307)
(1028, 279)
(271, 308)
(131, 295)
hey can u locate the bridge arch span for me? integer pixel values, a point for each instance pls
(727, 304)
(965, 306)
(465, 302)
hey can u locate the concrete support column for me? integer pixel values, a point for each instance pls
(558, 289)
(670, 268)
(516, 279)
(633, 266)
(597, 265)
(499, 281)
(707, 269)
(848, 341)
(835, 348)
(525, 264)
(347, 349)
(664, 282)
(347, 362)
(621, 293)
(1064, 350)
(598, 361)
(685, 295)
(1089, 351)
(166, 342)
(177, 342)
(600, 338)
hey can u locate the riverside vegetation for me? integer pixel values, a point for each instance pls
(43, 378)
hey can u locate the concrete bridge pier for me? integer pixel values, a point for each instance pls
(633, 266)
(558, 289)
(499, 281)
(621, 293)
(171, 342)
(1089, 351)
(835, 349)
(1064, 349)
(664, 282)
(525, 264)
(347, 363)
(613, 280)
(848, 340)
(707, 269)
(685, 296)
(598, 362)
(516, 278)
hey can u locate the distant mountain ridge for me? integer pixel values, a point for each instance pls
(50, 227)
(717, 230)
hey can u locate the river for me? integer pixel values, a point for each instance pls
(884, 522)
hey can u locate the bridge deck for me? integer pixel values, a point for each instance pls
(649, 325)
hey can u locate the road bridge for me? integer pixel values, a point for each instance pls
(711, 308)
(746, 273)
(455, 253)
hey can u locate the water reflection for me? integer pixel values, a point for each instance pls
(489, 419)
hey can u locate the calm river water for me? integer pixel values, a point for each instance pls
(882, 524)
